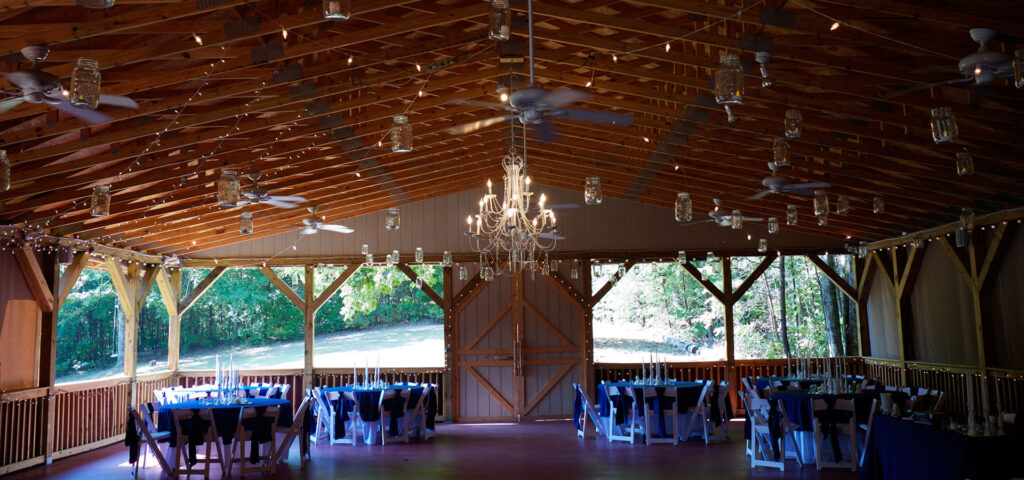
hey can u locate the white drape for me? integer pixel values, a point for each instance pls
(944, 329)
(1005, 296)
(882, 315)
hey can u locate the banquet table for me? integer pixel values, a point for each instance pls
(687, 395)
(369, 399)
(765, 382)
(901, 449)
(224, 416)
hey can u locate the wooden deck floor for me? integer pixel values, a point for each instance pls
(532, 450)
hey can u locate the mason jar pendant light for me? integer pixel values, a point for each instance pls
(967, 219)
(762, 245)
(917, 241)
(488, 274)
(369, 259)
(964, 163)
(1018, 69)
(791, 215)
(681, 257)
(794, 123)
(65, 255)
(820, 203)
(595, 270)
(85, 84)
(419, 254)
(862, 249)
(843, 205)
(500, 21)
(227, 189)
(574, 273)
(390, 260)
(245, 223)
(100, 206)
(401, 134)
(773, 225)
(780, 152)
(944, 129)
(395, 257)
(737, 220)
(592, 191)
(684, 207)
(446, 259)
(392, 219)
(419, 282)
(463, 273)
(877, 205)
(729, 79)
(364, 249)
(337, 9)
(5, 171)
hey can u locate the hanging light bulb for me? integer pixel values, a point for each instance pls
(419, 254)
(762, 245)
(737, 220)
(820, 203)
(592, 191)
(392, 219)
(227, 189)
(944, 129)
(763, 58)
(964, 163)
(773, 225)
(729, 80)
(794, 123)
(446, 258)
(500, 21)
(877, 205)
(791, 215)
(684, 207)
(401, 134)
(337, 9)
(245, 223)
(5, 171)
(843, 205)
(463, 273)
(85, 84)
(100, 205)
(1018, 69)
(780, 151)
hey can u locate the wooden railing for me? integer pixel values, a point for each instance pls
(333, 377)
(950, 379)
(21, 419)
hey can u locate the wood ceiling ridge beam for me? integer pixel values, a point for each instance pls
(943, 15)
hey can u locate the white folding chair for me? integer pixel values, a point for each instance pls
(401, 396)
(211, 439)
(325, 418)
(150, 442)
(762, 454)
(613, 410)
(749, 387)
(651, 416)
(287, 435)
(867, 431)
(694, 412)
(588, 411)
(285, 388)
(148, 410)
(244, 435)
(721, 430)
(416, 417)
(354, 423)
(848, 429)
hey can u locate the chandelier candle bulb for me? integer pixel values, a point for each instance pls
(245, 226)
(401, 134)
(684, 207)
(792, 215)
(100, 205)
(500, 20)
(338, 10)
(780, 151)
(392, 219)
(794, 123)
(729, 80)
(877, 205)
(773, 225)
(5, 171)
(964, 163)
(592, 191)
(85, 84)
(737, 220)
(227, 189)
(943, 124)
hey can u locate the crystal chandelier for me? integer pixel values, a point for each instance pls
(513, 232)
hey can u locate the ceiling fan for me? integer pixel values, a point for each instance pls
(256, 194)
(722, 217)
(313, 224)
(776, 183)
(534, 106)
(982, 67)
(36, 86)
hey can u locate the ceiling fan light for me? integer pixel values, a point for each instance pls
(85, 84)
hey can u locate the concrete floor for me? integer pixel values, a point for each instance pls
(531, 450)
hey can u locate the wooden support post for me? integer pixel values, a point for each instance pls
(48, 349)
(589, 374)
(864, 271)
(310, 325)
(730, 341)
(170, 292)
(519, 400)
(448, 306)
(34, 277)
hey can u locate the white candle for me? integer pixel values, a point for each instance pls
(354, 374)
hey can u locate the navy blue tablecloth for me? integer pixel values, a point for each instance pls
(900, 449)
(687, 395)
(765, 382)
(225, 416)
(369, 399)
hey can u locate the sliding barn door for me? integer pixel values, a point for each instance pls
(519, 349)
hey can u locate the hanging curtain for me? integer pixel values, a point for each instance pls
(944, 328)
(882, 317)
(1006, 304)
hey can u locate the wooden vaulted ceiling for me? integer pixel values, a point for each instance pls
(298, 111)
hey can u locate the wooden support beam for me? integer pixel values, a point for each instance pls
(309, 330)
(284, 288)
(468, 292)
(69, 277)
(834, 277)
(607, 287)
(200, 289)
(334, 286)
(589, 375)
(122, 285)
(34, 277)
(563, 286)
(448, 380)
(710, 287)
(994, 255)
(170, 292)
(756, 274)
(426, 289)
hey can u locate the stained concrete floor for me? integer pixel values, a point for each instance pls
(531, 450)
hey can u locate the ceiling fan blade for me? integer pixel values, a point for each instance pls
(802, 186)
(478, 103)
(562, 206)
(759, 195)
(9, 104)
(905, 91)
(801, 192)
(287, 198)
(118, 101)
(336, 228)
(544, 131)
(477, 125)
(753, 219)
(690, 224)
(242, 203)
(551, 235)
(279, 204)
(308, 231)
(562, 97)
(91, 116)
(610, 118)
